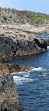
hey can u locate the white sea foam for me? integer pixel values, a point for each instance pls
(38, 69)
(26, 76)
(21, 80)
(23, 72)
(13, 73)
(47, 47)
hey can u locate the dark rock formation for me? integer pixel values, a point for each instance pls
(41, 44)
(9, 99)
(10, 46)
(47, 41)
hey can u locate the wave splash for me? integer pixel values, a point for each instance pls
(47, 47)
(26, 76)
(38, 69)
(22, 79)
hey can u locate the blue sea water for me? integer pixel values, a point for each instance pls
(33, 87)
(42, 35)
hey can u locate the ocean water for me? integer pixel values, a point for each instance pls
(42, 35)
(33, 87)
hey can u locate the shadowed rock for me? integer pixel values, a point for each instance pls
(41, 44)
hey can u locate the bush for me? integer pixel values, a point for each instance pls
(4, 17)
(7, 17)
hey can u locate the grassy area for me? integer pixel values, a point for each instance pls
(39, 19)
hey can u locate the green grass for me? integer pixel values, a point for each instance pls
(38, 19)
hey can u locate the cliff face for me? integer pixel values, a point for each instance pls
(20, 45)
(9, 99)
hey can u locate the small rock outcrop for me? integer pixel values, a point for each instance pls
(10, 68)
(9, 99)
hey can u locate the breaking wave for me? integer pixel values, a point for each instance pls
(38, 69)
(18, 79)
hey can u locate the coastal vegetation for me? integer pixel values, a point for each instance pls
(15, 16)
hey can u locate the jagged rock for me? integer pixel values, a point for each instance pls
(9, 99)
(20, 44)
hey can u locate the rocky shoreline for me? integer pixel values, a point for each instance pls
(9, 98)
(17, 29)
(15, 42)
